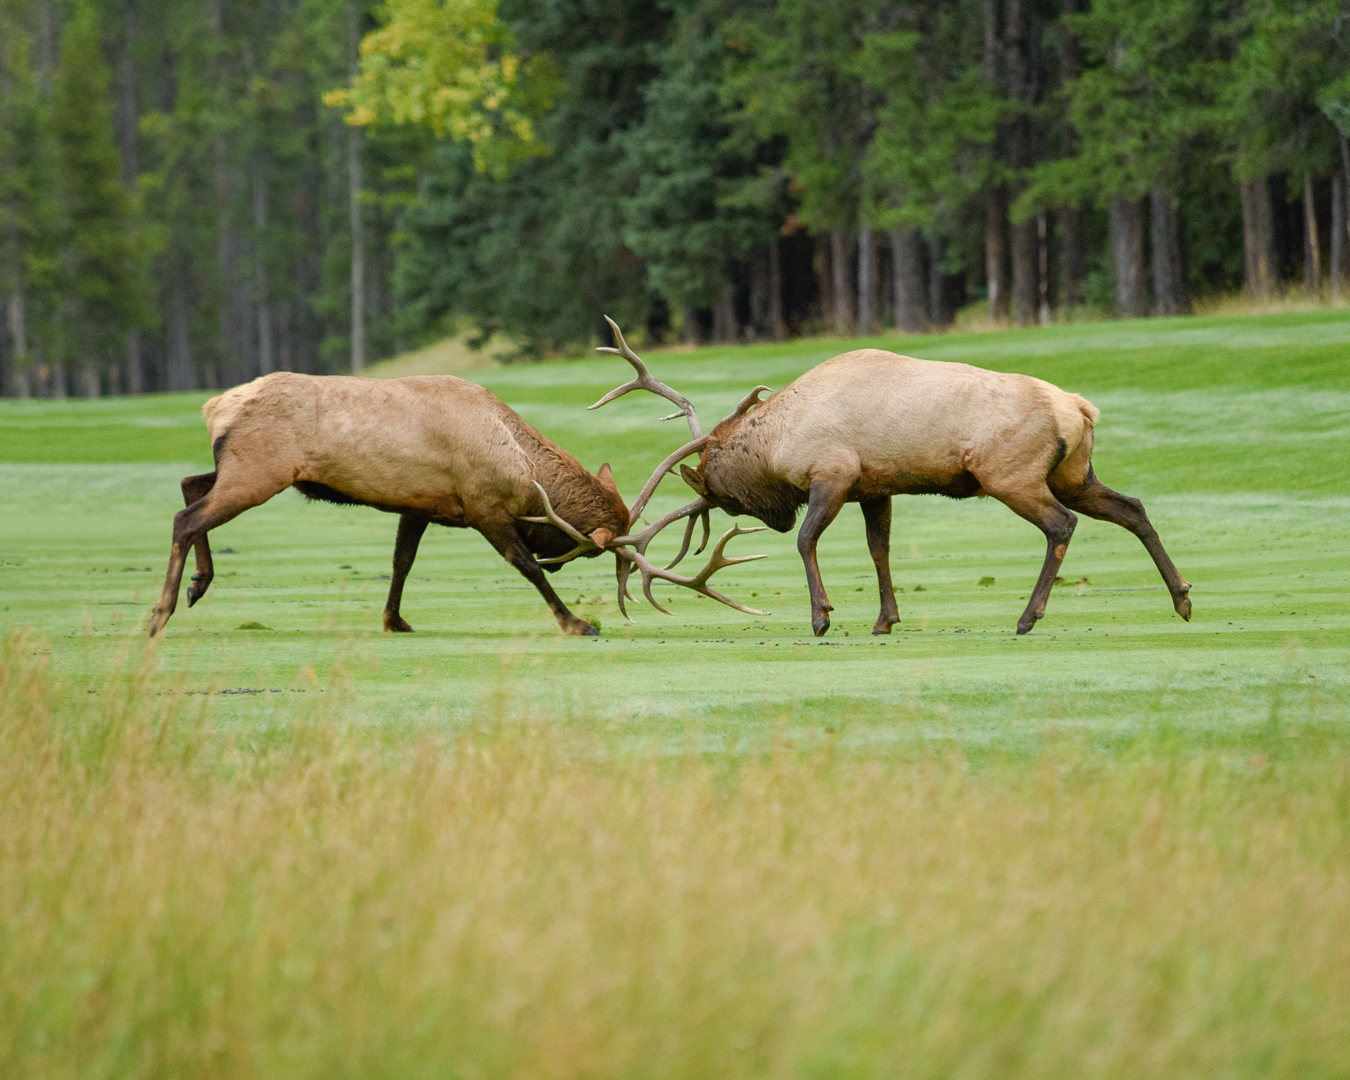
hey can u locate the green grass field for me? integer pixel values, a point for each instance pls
(706, 844)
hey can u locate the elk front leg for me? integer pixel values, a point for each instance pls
(410, 530)
(225, 500)
(1099, 501)
(508, 542)
(1049, 515)
(826, 499)
(195, 488)
(877, 515)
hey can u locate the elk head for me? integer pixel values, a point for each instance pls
(630, 550)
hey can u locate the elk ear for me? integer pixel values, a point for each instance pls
(606, 477)
(601, 537)
(694, 480)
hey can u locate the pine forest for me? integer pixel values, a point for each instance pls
(197, 192)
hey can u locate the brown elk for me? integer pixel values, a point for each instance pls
(870, 424)
(434, 450)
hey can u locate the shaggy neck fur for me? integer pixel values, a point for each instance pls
(578, 497)
(736, 467)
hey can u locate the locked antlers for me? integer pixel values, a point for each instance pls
(636, 557)
(631, 549)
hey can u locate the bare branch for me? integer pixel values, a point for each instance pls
(645, 381)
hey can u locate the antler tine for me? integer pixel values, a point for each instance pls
(749, 402)
(649, 489)
(646, 381)
(699, 582)
(584, 543)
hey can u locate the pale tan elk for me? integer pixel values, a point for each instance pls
(870, 424)
(434, 450)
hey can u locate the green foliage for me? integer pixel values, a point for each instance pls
(443, 64)
(100, 273)
(702, 198)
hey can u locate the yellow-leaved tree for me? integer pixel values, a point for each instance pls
(449, 65)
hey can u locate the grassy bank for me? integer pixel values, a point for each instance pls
(529, 899)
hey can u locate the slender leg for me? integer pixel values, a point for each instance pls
(1046, 512)
(505, 537)
(410, 530)
(1098, 501)
(877, 515)
(194, 488)
(825, 501)
(224, 502)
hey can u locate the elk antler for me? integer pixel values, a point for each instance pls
(584, 543)
(696, 510)
(699, 582)
(645, 381)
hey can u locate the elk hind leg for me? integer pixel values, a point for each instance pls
(226, 500)
(877, 515)
(410, 530)
(825, 500)
(506, 538)
(194, 488)
(1098, 501)
(1041, 508)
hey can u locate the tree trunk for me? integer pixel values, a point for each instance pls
(1312, 250)
(89, 382)
(996, 251)
(358, 320)
(724, 316)
(1127, 253)
(842, 283)
(867, 282)
(57, 386)
(996, 198)
(1344, 200)
(690, 327)
(14, 307)
(181, 373)
(1074, 253)
(263, 301)
(824, 279)
(1337, 237)
(230, 348)
(907, 270)
(128, 124)
(1043, 268)
(1074, 242)
(937, 300)
(777, 324)
(1024, 284)
(135, 363)
(1257, 239)
(1169, 293)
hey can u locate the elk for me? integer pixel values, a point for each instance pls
(867, 425)
(432, 449)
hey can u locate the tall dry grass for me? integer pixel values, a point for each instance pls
(530, 902)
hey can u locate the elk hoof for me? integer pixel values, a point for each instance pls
(820, 625)
(884, 624)
(1024, 625)
(195, 591)
(580, 628)
(1184, 608)
(156, 623)
(395, 624)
